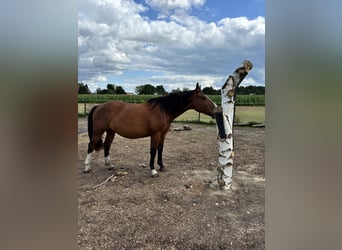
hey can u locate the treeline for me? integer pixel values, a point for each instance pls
(241, 100)
(111, 89)
(249, 90)
(148, 89)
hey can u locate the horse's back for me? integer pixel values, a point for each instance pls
(130, 120)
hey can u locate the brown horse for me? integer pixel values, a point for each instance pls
(152, 118)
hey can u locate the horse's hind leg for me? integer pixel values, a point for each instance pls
(87, 168)
(108, 142)
(91, 146)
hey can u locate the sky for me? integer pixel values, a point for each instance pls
(174, 43)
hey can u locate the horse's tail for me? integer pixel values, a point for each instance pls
(99, 144)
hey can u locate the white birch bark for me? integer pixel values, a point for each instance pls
(224, 121)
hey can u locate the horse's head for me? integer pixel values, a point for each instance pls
(201, 103)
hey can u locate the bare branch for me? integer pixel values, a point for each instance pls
(102, 183)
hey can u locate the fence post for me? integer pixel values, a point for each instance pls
(199, 118)
(224, 119)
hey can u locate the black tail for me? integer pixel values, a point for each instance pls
(99, 144)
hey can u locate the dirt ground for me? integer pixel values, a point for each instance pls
(182, 208)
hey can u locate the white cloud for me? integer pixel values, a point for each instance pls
(115, 37)
(92, 85)
(101, 79)
(95, 82)
(171, 82)
(165, 5)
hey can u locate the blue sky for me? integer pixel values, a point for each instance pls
(174, 43)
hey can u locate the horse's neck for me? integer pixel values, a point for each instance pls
(178, 113)
(174, 107)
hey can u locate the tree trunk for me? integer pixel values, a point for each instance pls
(224, 119)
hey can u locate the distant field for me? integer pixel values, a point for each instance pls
(249, 108)
(246, 114)
(243, 114)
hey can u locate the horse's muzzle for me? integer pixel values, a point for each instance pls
(216, 110)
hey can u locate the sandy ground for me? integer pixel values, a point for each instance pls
(180, 209)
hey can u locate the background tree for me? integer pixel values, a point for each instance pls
(120, 91)
(110, 88)
(83, 89)
(248, 90)
(146, 89)
(176, 90)
(160, 90)
(101, 91)
(211, 91)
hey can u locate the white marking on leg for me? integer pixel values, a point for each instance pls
(87, 163)
(108, 163)
(87, 160)
(107, 160)
(154, 172)
(87, 168)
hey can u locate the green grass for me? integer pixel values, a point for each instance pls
(88, 107)
(191, 116)
(249, 114)
(243, 114)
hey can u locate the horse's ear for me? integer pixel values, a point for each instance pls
(198, 87)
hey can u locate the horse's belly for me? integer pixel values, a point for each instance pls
(133, 124)
(132, 134)
(133, 130)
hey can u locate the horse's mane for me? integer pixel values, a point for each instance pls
(173, 102)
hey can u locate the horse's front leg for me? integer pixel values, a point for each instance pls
(153, 150)
(160, 153)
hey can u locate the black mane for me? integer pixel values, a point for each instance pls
(173, 103)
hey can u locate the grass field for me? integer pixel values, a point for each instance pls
(250, 114)
(243, 114)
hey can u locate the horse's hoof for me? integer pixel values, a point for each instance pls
(111, 168)
(86, 171)
(162, 169)
(154, 173)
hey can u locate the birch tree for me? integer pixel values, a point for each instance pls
(224, 120)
